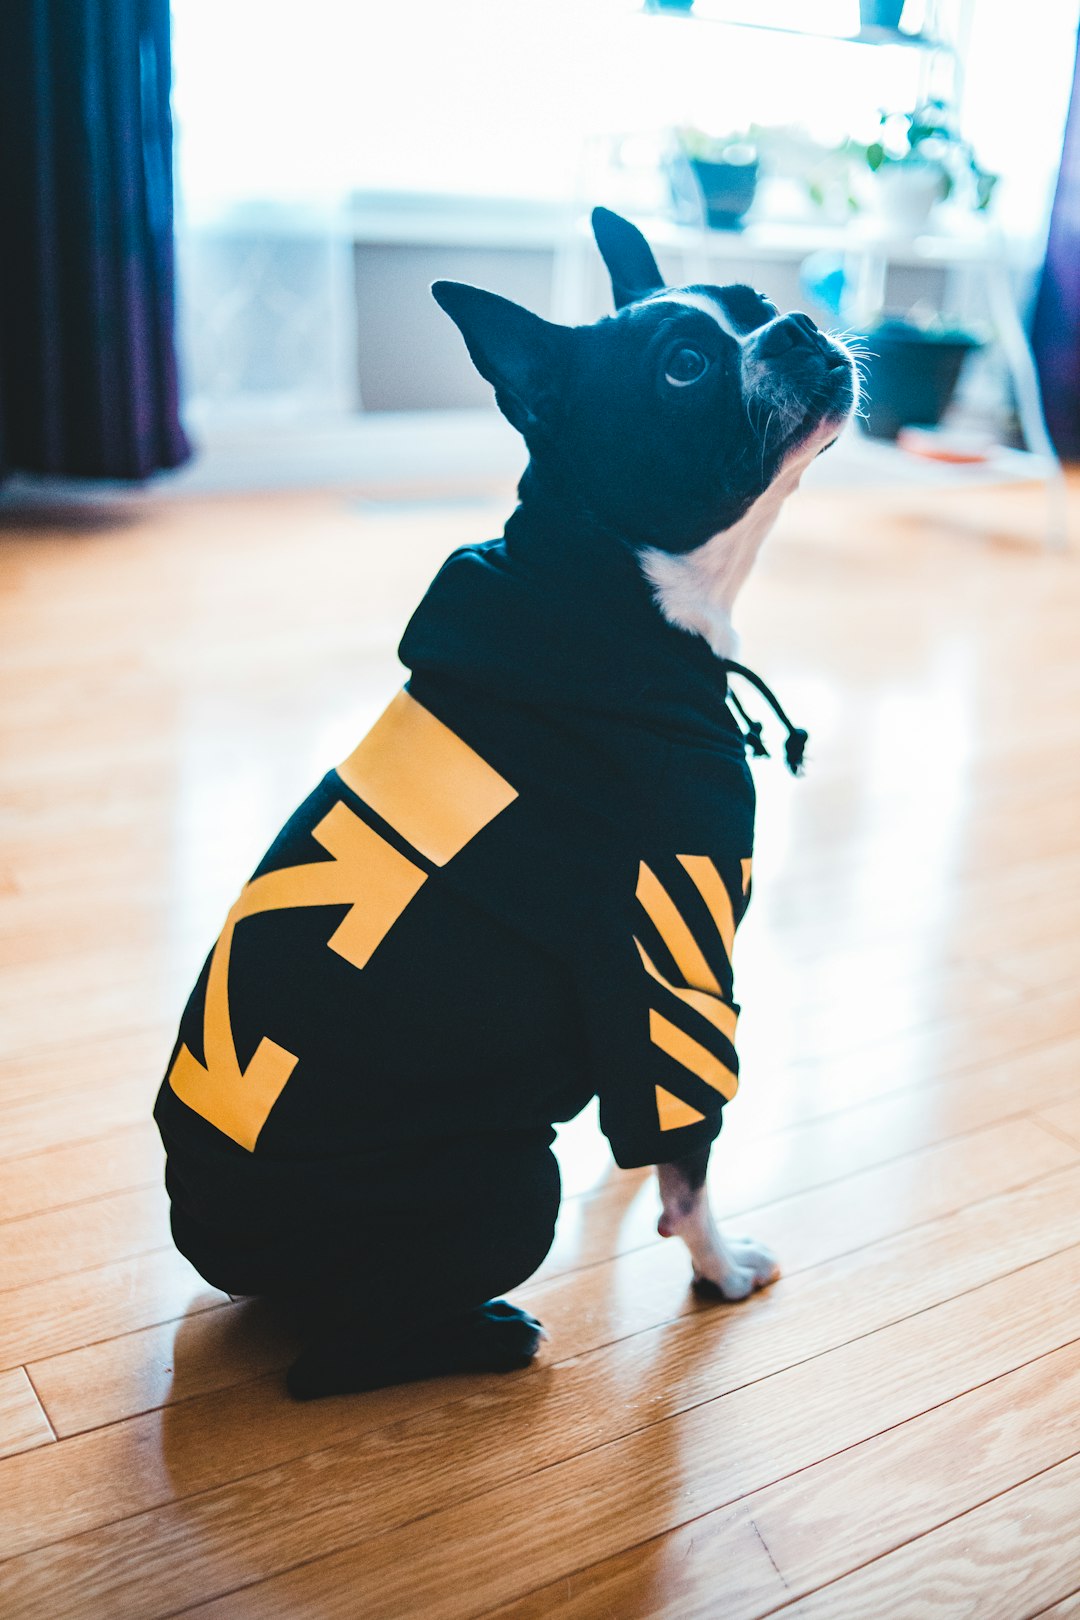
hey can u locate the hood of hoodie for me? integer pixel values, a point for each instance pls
(557, 618)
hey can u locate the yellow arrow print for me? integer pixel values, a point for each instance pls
(375, 880)
(425, 781)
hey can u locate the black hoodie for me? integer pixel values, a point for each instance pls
(538, 859)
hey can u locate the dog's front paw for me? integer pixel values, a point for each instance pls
(743, 1267)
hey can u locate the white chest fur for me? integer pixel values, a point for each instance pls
(696, 590)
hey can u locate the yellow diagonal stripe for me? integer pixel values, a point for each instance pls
(375, 880)
(665, 916)
(692, 1055)
(710, 885)
(673, 1112)
(747, 868)
(719, 1013)
(423, 780)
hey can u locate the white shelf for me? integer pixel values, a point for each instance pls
(881, 38)
(970, 243)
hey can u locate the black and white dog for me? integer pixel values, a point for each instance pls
(521, 889)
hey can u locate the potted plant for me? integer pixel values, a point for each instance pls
(713, 177)
(912, 369)
(917, 160)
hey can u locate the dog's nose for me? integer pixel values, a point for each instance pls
(788, 332)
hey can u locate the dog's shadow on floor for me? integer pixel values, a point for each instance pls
(222, 1387)
(230, 1357)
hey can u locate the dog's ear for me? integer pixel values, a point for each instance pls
(520, 354)
(629, 258)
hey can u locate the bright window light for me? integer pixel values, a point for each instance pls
(305, 105)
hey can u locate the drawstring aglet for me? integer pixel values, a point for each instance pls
(794, 749)
(797, 739)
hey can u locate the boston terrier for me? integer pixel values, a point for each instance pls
(520, 890)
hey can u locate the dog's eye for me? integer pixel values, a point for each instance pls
(685, 366)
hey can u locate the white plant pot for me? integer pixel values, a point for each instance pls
(903, 195)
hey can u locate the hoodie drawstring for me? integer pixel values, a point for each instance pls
(797, 739)
(752, 737)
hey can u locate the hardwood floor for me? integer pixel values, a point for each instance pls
(892, 1430)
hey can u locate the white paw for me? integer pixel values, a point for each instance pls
(739, 1269)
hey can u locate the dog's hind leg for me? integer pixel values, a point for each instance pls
(421, 1301)
(491, 1338)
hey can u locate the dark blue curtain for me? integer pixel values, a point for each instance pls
(1056, 325)
(88, 382)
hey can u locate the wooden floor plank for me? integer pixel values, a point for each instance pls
(1067, 1609)
(907, 1131)
(1007, 1558)
(23, 1424)
(96, 1002)
(879, 1202)
(499, 1544)
(46, 1318)
(844, 1512)
(30, 1126)
(118, 1162)
(116, 1226)
(994, 835)
(1048, 963)
(66, 1068)
(120, 1377)
(1020, 890)
(1064, 1118)
(827, 1033)
(796, 1090)
(561, 1418)
(900, 1122)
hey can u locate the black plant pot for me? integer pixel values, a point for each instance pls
(727, 191)
(911, 376)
